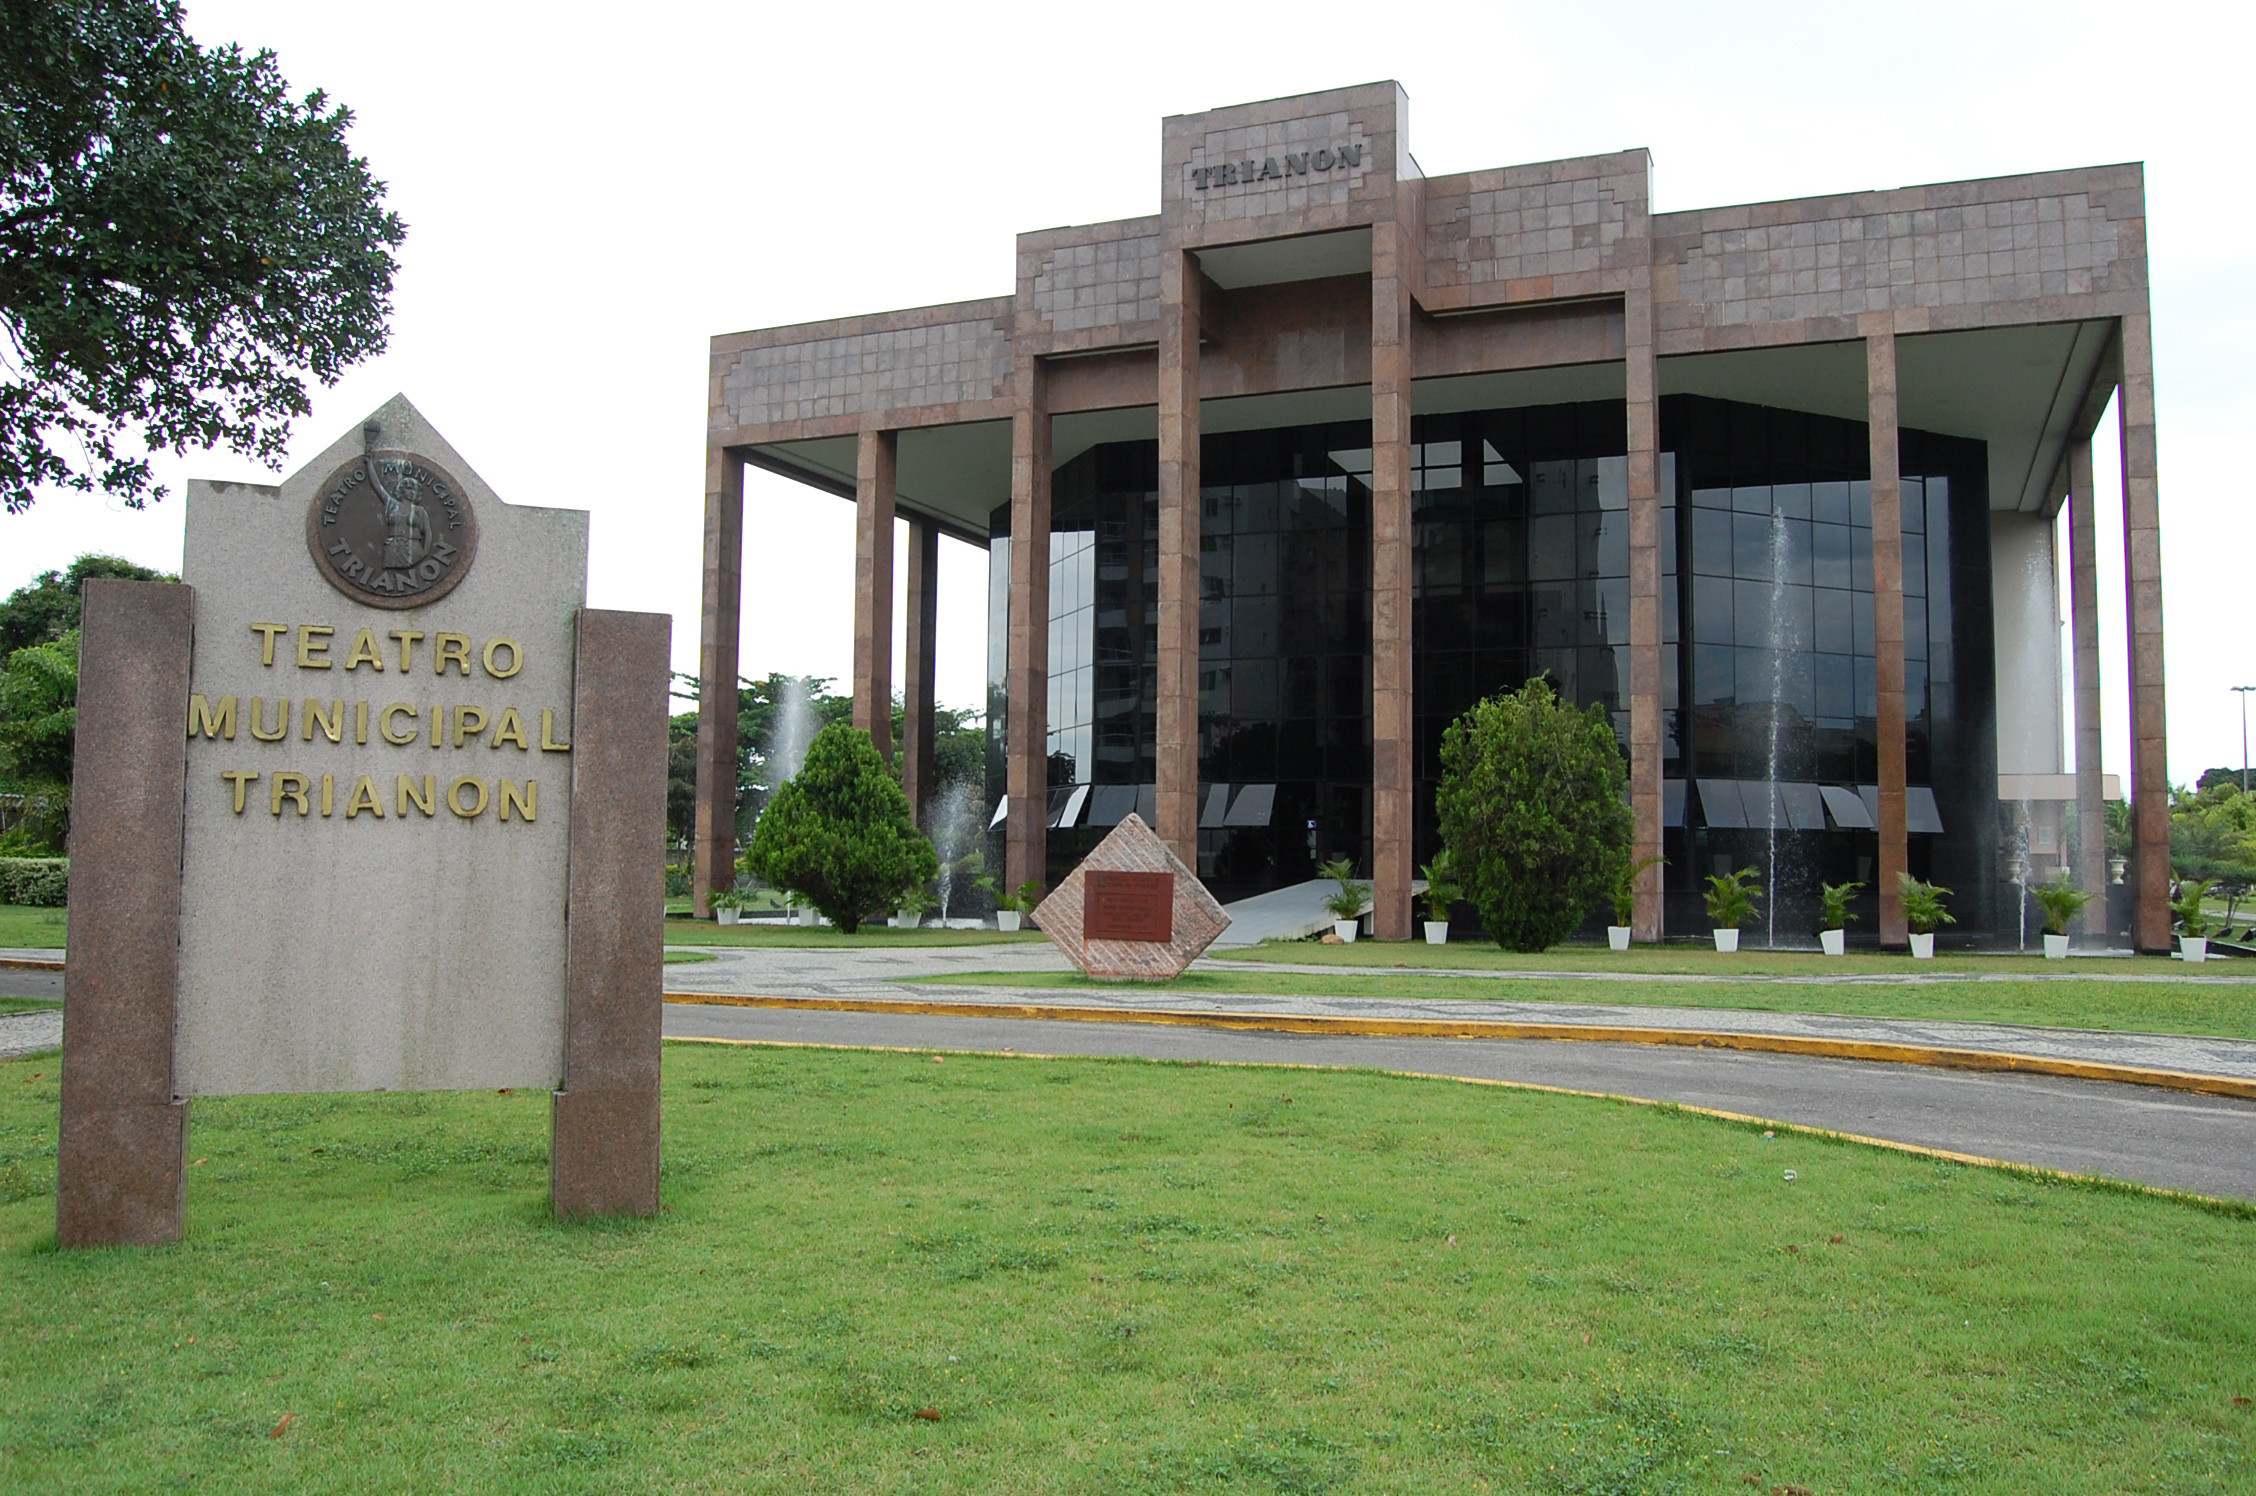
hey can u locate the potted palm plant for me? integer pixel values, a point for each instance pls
(1011, 909)
(1923, 912)
(1834, 916)
(1625, 901)
(2061, 901)
(909, 913)
(2193, 925)
(1731, 899)
(728, 906)
(1346, 905)
(1441, 891)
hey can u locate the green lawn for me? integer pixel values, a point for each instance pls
(1112, 1277)
(2218, 1010)
(10, 1004)
(705, 932)
(1703, 960)
(24, 927)
(688, 958)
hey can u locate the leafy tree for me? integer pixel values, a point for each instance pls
(2213, 838)
(46, 608)
(38, 716)
(2211, 778)
(1534, 809)
(838, 833)
(759, 711)
(180, 241)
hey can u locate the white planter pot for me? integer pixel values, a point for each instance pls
(727, 916)
(1833, 942)
(1345, 930)
(809, 917)
(2195, 948)
(2056, 947)
(1727, 941)
(1617, 937)
(1437, 932)
(1923, 946)
(907, 919)
(1007, 919)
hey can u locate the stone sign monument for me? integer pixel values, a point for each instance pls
(1131, 911)
(411, 838)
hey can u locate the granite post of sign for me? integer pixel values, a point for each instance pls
(603, 1145)
(120, 1168)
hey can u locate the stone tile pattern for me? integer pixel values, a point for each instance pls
(1529, 223)
(862, 371)
(1132, 847)
(1257, 142)
(1891, 252)
(1110, 283)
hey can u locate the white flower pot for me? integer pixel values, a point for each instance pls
(1923, 946)
(2056, 947)
(907, 919)
(1833, 942)
(1437, 932)
(1007, 919)
(1617, 937)
(1345, 930)
(1727, 941)
(2195, 948)
(808, 917)
(727, 916)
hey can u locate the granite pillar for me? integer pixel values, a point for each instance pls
(874, 463)
(2142, 579)
(1026, 726)
(714, 856)
(917, 733)
(2090, 854)
(603, 1148)
(1176, 803)
(1645, 738)
(1393, 754)
(1888, 620)
(120, 1165)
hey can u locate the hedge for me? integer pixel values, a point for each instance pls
(35, 880)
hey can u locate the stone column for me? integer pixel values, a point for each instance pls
(714, 857)
(1177, 728)
(1393, 751)
(917, 739)
(874, 461)
(603, 1140)
(2083, 608)
(1026, 744)
(1644, 602)
(1888, 618)
(2142, 577)
(120, 1176)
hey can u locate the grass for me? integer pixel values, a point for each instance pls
(1704, 960)
(1111, 1276)
(688, 958)
(2212, 1010)
(797, 937)
(25, 927)
(10, 1004)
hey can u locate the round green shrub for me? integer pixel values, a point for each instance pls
(839, 833)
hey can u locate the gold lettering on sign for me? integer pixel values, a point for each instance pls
(469, 721)
(266, 633)
(424, 797)
(364, 798)
(511, 729)
(360, 723)
(384, 724)
(313, 647)
(438, 727)
(406, 638)
(548, 734)
(450, 647)
(516, 657)
(212, 723)
(454, 797)
(291, 786)
(328, 794)
(331, 722)
(281, 727)
(525, 804)
(240, 778)
(365, 652)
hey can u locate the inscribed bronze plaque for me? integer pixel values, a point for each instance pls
(392, 530)
(1129, 906)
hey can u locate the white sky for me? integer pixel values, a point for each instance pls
(594, 191)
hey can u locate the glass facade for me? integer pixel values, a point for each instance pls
(1521, 568)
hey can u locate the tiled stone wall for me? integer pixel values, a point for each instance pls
(865, 371)
(1111, 283)
(1295, 192)
(1561, 218)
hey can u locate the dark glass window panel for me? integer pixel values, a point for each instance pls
(1860, 503)
(1254, 689)
(1867, 690)
(1860, 616)
(1551, 547)
(1551, 488)
(1346, 689)
(1711, 543)
(1832, 555)
(1711, 498)
(1611, 597)
(1860, 559)
(1751, 498)
(1835, 686)
(1555, 616)
(1750, 546)
(1915, 630)
(1669, 617)
(1712, 673)
(1559, 664)
(1599, 677)
(1914, 566)
(1441, 557)
(1303, 686)
(1792, 499)
(1798, 688)
(1503, 553)
(1914, 506)
(1671, 679)
(1712, 599)
(1606, 545)
(1832, 632)
(1756, 674)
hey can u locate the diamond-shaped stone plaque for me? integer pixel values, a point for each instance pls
(1192, 917)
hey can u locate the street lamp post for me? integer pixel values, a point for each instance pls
(2242, 693)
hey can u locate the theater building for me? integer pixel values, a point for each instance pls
(1279, 480)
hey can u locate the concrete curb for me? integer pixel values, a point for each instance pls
(1827, 1134)
(1879, 1051)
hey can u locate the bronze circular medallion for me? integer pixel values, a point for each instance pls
(392, 530)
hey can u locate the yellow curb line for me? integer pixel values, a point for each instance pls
(29, 963)
(1917, 1150)
(1442, 1028)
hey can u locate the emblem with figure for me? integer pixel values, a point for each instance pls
(393, 530)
